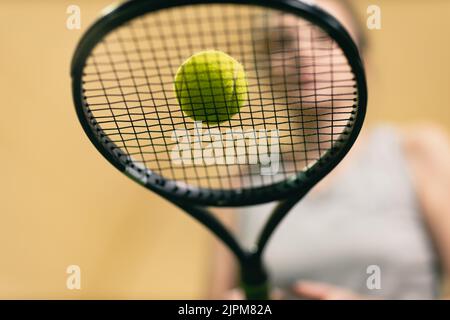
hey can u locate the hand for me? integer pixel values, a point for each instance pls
(237, 294)
(307, 290)
(322, 291)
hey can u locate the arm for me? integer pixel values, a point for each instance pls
(428, 153)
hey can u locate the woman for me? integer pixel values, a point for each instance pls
(383, 212)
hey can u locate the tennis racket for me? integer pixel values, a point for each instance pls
(305, 105)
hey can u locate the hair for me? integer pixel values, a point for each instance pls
(361, 37)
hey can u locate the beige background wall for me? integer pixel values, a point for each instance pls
(62, 203)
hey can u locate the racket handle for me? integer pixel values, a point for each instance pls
(256, 292)
(254, 280)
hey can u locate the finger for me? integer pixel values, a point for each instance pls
(237, 294)
(277, 294)
(311, 290)
(322, 291)
(234, 294)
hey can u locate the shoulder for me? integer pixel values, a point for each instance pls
(426, 143)
(427, 153)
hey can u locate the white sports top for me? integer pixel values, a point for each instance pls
(368, 216)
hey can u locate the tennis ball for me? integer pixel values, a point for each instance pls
(211, 86)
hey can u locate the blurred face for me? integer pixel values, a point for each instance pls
(294, 46)
(310, 74)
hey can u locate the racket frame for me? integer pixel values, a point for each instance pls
(194, 200)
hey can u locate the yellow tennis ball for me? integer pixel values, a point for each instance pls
(211, 86)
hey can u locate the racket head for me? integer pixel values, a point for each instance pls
(180, 191)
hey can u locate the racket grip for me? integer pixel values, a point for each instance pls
(254, 281)
(256, 292)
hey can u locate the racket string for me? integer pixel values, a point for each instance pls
(299, 85)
